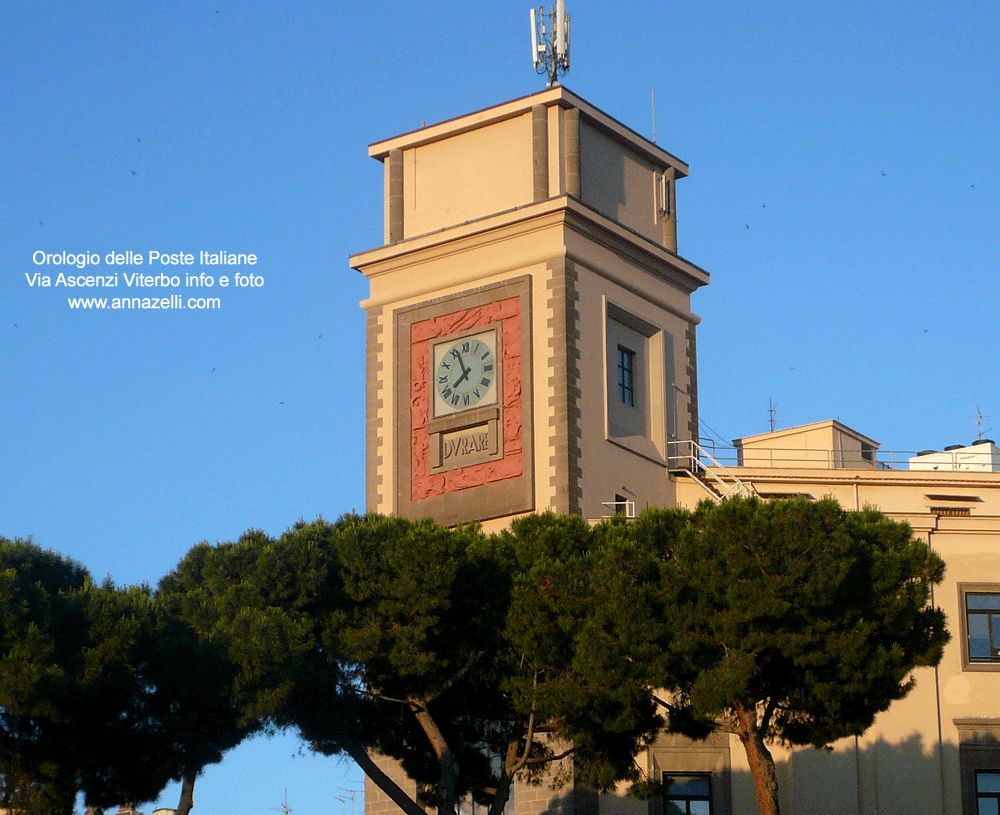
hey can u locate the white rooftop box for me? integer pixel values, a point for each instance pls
(981, 456)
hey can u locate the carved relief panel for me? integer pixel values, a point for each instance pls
(463, 414)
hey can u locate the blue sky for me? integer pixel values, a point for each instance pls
(844, 195)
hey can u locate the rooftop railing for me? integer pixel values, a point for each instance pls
(710, 454)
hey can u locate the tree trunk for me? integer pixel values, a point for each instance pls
(507, 771)
(759, 758)
(502, 795)
(448, 764)
(186, 802)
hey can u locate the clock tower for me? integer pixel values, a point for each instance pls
(530, 341)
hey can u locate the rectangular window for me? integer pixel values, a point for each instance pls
(988, 793)
(952, 512)
(688, 794)
(626, 375)
(982, 616)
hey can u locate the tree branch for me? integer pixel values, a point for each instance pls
(450, 683)
(765, 719)
(353, 748)
(530, 735)
(725, 727)
(553, 757)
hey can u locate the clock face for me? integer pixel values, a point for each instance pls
(465, 373)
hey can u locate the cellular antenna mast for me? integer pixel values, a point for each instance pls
(550, 46)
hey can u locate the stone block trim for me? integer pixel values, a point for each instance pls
(572, 152)
(692, 377)
(396, 225)
(539, 153)
(374, 332)
(563, 387)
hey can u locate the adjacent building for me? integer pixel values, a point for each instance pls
(937, 750)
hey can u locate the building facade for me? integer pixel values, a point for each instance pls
(531, 346)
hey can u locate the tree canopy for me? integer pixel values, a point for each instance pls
(470, 659)
(793, 622)
(466, 658)
(100, 692)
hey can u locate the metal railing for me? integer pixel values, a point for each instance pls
(624, 508)
(810, 458)
(702, 465)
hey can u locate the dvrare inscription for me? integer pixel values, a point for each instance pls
(464, 446)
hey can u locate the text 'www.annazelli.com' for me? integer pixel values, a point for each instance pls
(174, 301)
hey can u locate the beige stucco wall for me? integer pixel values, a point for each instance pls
(467, 176)
(440, 272)
(618, 182)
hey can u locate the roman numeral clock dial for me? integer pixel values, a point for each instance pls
(465, 373)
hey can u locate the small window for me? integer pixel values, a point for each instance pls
(988, 793)
(952, 512)
(626, 375)
(688, 794)
(982, 615)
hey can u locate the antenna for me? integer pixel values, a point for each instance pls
(653, 94)
(550, 47)
(979, 422)
(536, 49)
(283, 807)
(772, 408)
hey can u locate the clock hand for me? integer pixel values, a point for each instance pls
(465, 371)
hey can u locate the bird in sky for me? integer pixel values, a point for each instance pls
(134, 172)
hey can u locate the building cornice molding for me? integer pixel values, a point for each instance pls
(877, 478)
(561, 212)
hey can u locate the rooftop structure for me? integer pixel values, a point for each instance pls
(981, 456)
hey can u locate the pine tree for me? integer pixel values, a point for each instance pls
(791, 622)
